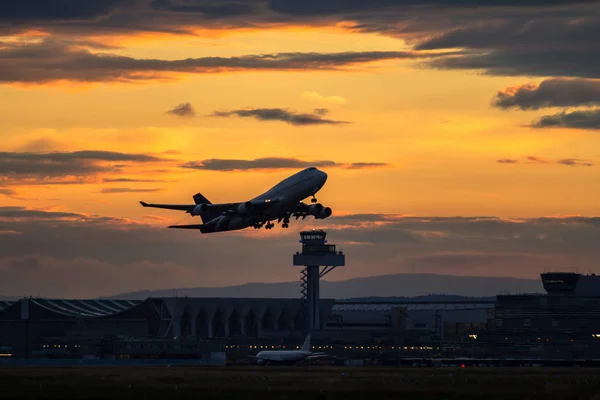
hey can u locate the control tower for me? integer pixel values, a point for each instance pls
(316, 253)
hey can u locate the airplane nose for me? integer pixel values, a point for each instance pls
(323, 177)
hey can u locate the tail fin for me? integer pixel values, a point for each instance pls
(199, 199)
(306, 345)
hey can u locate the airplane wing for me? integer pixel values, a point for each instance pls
(217, 208)
(317, 355)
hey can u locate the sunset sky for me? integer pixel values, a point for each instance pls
(459, 136)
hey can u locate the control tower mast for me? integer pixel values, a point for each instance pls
(316, 253)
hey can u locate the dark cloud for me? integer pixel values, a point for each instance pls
(217, 164)
(20, 11)
(586, 119)
(573, 162)
(550, 93)
(284, 115)
(520, 31)
(574, 62)
(8, 192)
(127, 190)
(25, 262)
(183, 110)
(37, 214)
(501, 37)
(178, 16)
(362, 165)
(53, 60)
(65, 167)
(130, 180)
(86, 255)
(341, 7)
(209, 9)
(536, 160)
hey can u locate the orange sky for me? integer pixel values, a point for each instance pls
(436, 129)
(433, 127)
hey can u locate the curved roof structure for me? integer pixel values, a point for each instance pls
(85, 308)
(5, 304)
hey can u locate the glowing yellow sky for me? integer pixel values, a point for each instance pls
(436, 129)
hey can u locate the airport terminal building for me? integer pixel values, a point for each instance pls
(563, 323)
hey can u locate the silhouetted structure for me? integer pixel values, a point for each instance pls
(562, 324)
(316, 253)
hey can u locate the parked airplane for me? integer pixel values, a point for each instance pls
(287, 356)
(280, 203)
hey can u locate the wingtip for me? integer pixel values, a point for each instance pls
(143, 204)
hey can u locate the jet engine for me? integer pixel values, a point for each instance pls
(222, 224)
(199, 209)
(326, 212)
(244, 208)
(315, 209)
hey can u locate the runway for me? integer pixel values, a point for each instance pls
(297, 383)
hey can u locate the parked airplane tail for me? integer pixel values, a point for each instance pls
(306, 344)
(199, 199)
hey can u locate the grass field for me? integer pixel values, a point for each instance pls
(297, 383)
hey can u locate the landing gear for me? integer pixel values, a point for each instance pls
(269, 225)
(314, 199)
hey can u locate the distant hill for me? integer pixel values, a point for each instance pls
(399, 285)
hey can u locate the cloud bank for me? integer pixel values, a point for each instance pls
(150, 257)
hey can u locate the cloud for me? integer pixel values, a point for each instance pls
(66, 167)
(131, 180)
(8, 192)
(531, 37)
(207, 9)
(363, 165)
(216, 164)
(87, 278)
(313, 96)
(536, 160)
(85, 255)
(183, 110)
(53, 60)
(557, 92)
(284, 115)
(127, 190)
(41, 216)
(182, 16)
(48, 10)
(320, 8)
(40, 145)
(585, 119)
(571, 162)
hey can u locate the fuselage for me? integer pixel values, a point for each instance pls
(286, 193)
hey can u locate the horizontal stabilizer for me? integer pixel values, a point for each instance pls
(195, 226)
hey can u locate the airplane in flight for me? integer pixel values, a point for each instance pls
(280, 203)
(288, 356)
